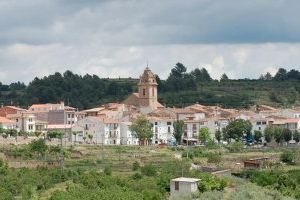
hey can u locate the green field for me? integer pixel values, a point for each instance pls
(120, 172)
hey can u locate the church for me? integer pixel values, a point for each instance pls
(146, 97)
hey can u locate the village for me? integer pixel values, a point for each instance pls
(192, 152)
(109, 124)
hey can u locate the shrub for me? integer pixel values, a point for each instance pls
(236, 146)
(107, 170)
(136, 176)
(187, 154)
(149, 170)
(214, 158)
(135, 166)
(288, 157)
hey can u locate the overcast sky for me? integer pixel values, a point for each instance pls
(116, 38)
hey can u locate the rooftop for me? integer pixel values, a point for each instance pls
(185, 179)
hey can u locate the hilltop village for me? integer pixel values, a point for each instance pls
(109, 124)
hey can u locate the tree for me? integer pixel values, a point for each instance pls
(39, 146)
(178, 130)
(178, 70)
(2, 130)
(204, 135)
(23, 133)
(268, 134)
(142, 129)
(268, 76)
(287, 135)
(257, 136)
(75, 136)
(201, 75)
(55, 134)
(218, 136)
(37, 133)
(281, 75)
(278, 135)
(224, 77)
(296, 136)
(237, 129)
(90, 137)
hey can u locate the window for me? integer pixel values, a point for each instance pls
(144, 92)
(169, 123)
(153, 92)
(155, 123)
(156, 129)
(30, 119)
(169, 129)
(72, 115)
(264, 123)
(69, 115)
(258, 123)
(30, 127)
(176, 185)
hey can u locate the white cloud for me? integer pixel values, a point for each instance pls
(113, 61)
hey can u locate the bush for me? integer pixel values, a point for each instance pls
(149, 170)
(107, 170)
(136, 176)
(288, 157)
(135, 166)
(187, 154)
(236, 146)
(5, 195)
(214, 158)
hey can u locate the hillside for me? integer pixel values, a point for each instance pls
(181, 88)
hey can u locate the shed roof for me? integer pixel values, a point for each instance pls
(185, 179)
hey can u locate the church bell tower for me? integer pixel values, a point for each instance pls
(147, 88)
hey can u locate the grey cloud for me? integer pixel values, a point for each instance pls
(116, 38)
(152, 22)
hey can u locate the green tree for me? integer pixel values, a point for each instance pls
(39, 146)
(149, 170)
(178, 130)
(55, 134)
(142, 129)
(296, 136)
(218, 136)
(238, 128)
(278, 135)
(224, 77)
(204, 135)
(37, 133)
(135, 166)
(257, 136)
(107, 170)
(288, 156)
(287, 135)
(281, 75)
(90, 137)
(268, 134)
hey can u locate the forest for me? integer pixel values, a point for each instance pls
(181, 88)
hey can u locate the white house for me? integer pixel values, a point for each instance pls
(181, 187)
(162, 130)
(89, 126)
(24, 121)
(127, 137)
(103, 131)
